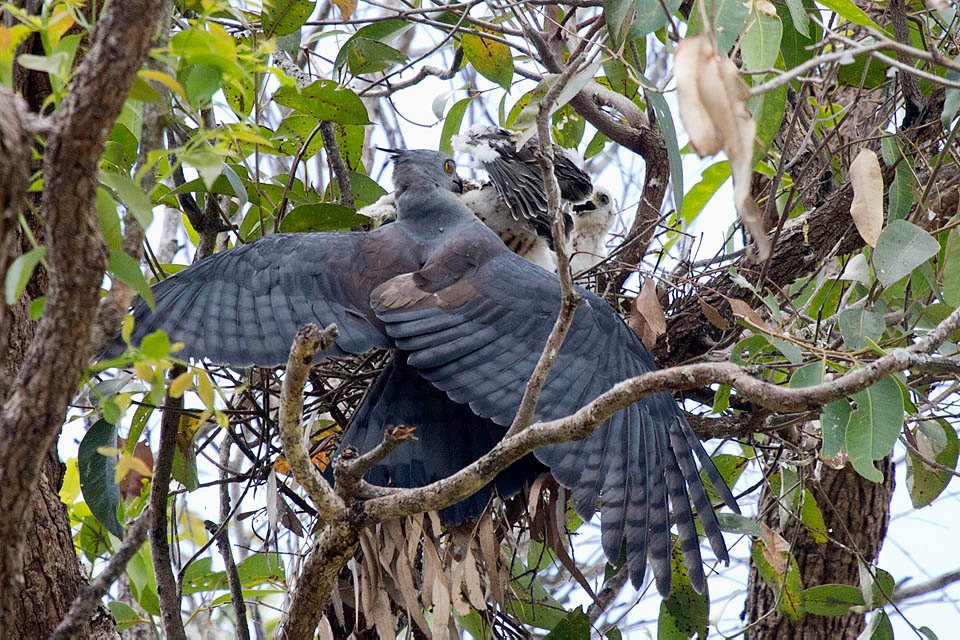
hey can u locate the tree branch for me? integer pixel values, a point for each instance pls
(337, 165)
(581, 424)
(923, 588)
(48, 377)
(308, 342)
(220, 532)
(89, 596)
(167, 591)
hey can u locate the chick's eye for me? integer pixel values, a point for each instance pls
(604, 199)
(448, 166)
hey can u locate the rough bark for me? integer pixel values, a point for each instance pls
(51, 367)
(857, 513)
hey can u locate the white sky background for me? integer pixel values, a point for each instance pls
(920, 544)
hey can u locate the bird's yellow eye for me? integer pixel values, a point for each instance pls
(448, 166)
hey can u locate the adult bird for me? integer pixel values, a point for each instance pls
(467, 319)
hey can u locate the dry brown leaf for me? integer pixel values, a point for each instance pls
(441, 609)
(713, 108)
(713, 316)
(867, 207)
(403, 578)
(646, 315)
(742, 309)
(347, 7)
(324, 630)
(489, 551)
(471, 580)
(776, 550)
(690, 61)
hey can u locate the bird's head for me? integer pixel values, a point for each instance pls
(599, 206)
(416, 167)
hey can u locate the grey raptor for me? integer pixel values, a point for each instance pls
(467, 319)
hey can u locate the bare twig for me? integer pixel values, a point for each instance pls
(167, 591)
(89, 596)
(569, 298)
(309, 341)
(337, 165)
(220, 532)
(609, 592)
(350, 467)
(923, 588)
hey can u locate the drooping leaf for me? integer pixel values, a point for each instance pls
(857, 325)
(779, 569)
(131, 195)
(385, 32)
(728, 16)
(619, 16)
(867, 206)
(451, 124)
(849, 11)
(281, 17)
(97, 480)
(371, 56)
(669, 130)
(493, 60)
(876, 586)
(874, 426)
(901, 248)
(937, 441)
(760, 43)
(19, 272)
(808, 375)
(128, 271)
(324, 100)
(574, 626)
(685, 612)
(878, 628)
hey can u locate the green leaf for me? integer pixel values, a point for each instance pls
(876, 586)
(281, 17)
(365, 190)
(200, 81)
(350, 142)
(669, 130)
(729, 18)
(324, 100)
(784, 579)
(123, 614)
(256, 569)
(326, 216)
(879, 627)
(100, 490)
(294, 131)
(760, 43)
(155, 345)
(700, 194)
(491, 59)
(383, 32)
(685, 612)
(143, 582)
(851, 12)
(798, 14)
(370, 56)
(767, 109)
(127, 270)
(831, 599)
(619, 16)
(901, 248)
(807, 375)
(874, 426)
(451, 124)
(207, 163)
(574, 626)
(937, 440)
(731, 467)
(568, 127)
(858, 324)
(812, 518)
(109, 219)
(652, 16)
(736, 523)
(131, 195)
(951, 102)
(833, 422)
(19, 272)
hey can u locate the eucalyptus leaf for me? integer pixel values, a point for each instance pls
(97, 481)
(901, 248)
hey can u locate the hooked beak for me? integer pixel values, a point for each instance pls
(457, 183)
(584, 207)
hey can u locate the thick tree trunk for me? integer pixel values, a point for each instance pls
(51, 571)
(856, 512)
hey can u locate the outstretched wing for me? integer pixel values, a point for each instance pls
(244, 306)
(474, 321)
(448, 437)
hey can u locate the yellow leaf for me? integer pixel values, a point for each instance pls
(180, 384)
(59, 24)
(143, 371)
(205, 389)
(166, 80)
(347, 7)
(127, 329)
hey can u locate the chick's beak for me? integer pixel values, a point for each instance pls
(584, 207)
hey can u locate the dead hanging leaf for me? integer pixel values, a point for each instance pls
(347, 7)
(713, 316)
(776, 550)
(713, 108)
(742, 310)
(132, 483)
(867, 206)
(646, 315)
